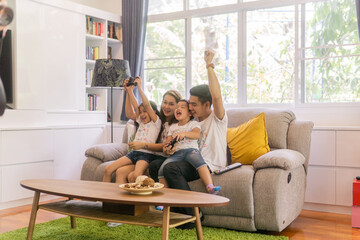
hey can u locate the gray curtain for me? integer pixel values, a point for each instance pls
(134, 19)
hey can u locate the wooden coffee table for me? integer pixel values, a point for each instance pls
(91, 194)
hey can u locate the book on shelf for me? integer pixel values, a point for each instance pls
(89, 75)
(94, 27)
(119, 33)
(92, 53)
(92, 102)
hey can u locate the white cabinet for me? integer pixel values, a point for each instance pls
(348, 149)
(50, 49)
(13, 174)
(322, 151)
(320, 186)
(69, 149)
(43, 153)
(334, 163)
(25, 146)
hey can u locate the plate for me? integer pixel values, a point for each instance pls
(141, 191)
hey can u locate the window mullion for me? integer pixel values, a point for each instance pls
(302, 53)
(297, 57)
(188, 70)
(242, 58)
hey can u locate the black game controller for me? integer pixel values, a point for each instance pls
(172, 143)
(131, 81)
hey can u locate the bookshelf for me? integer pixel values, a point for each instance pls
(103, 40)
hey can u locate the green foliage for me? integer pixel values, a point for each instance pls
(333, 79)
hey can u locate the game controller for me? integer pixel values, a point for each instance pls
(131, 81)
(172, 143)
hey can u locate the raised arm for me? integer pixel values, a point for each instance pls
(145, 101)
(214, 86)
(129, 110)
(133, 101)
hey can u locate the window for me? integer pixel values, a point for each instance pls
(164, 6)
(331, 49)
(267, 52)
(165, 58)
(270, 55)
(217, 33)
(194, 4)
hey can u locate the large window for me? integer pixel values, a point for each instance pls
(217, 33)
(267, 52)
(331, 52)
(270, 55)
(165, 58)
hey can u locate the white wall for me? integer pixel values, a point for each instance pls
(113, 6)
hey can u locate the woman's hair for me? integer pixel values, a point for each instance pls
(175, 94)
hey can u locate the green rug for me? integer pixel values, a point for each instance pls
(91, 229)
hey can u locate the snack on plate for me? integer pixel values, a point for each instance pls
(140, 179)
(148, 182)
(141, 182)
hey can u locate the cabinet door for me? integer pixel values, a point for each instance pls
(322, 151)
(12, 175)
(344, 183)
(25, 146)
(320, 187)
(70, 146)
(50, 54)
(348, 148)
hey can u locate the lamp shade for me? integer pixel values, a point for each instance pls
(110, 73)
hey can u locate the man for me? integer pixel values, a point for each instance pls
(213, 134)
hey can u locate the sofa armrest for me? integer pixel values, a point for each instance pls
(107, 152)
(281, 158)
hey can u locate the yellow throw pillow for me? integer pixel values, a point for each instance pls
(248, 141)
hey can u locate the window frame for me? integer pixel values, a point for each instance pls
(241, 8)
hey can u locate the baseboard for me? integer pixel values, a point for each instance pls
(26, 201)
(327, 208)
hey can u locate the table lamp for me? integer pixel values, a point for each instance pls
(110, 73)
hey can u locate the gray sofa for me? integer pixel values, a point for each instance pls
(267, 195)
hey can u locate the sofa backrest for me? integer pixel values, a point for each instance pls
(277, 122)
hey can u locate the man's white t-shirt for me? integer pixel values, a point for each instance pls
(186, 142)
(148, 132)
(212, 142)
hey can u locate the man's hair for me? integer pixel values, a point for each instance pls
(202, 92)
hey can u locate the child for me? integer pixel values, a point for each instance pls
(146, 115)
(187, 133)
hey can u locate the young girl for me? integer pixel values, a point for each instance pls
(146, 115)
(187, 133)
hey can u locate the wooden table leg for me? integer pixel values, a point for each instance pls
(72, 218)
(34, 209)
(165, 223)
(199, 231)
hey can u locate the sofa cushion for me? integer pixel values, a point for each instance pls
(282, 158)
(107, 152)
(248, 141)
(277, 122)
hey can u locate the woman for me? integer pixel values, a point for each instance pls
(168, 106)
